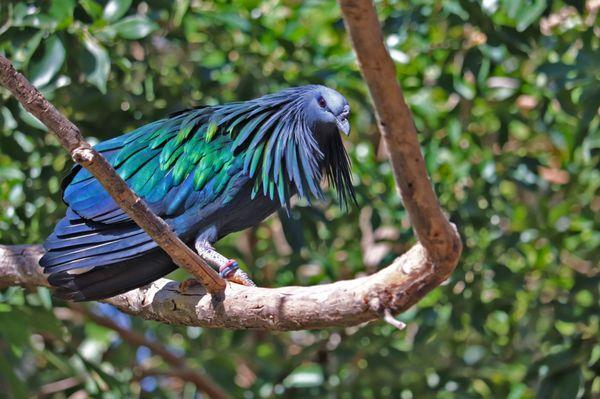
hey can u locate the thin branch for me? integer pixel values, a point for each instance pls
(59, 386)
(373, 252)
(389, 318)
(175, 377)
(179, 364)
(345, 303)
(82, 152)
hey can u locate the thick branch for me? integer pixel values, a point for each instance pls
(178, 363)
(431, 226)
(343, 303)
(82, 153)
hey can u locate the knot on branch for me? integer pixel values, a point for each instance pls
(447, 254)
(83, 155)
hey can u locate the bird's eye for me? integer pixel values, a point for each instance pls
(322, 102)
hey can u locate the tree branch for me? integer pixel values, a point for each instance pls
(181, 369)
(394, 118)
(82, 152)
(344, 303)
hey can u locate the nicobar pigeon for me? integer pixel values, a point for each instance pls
(207, 172)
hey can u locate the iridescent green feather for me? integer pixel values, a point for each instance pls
(184, 132)
(171, 155)
(135, 162)
(256, 157)
(215, 145)
(182, 169)
(211, 130)
(203, 172)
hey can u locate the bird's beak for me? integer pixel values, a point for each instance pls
(342, 121)
(343, 126)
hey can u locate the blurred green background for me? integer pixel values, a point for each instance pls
(505, 95)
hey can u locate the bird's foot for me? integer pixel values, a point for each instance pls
(228, 268)
(186, 284)
(230, 271)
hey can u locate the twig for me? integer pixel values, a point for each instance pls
(181, 369)
(372, 251)
(82, 152)
(389, 318)
(59, 386)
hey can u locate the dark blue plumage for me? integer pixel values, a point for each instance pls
(207, 172)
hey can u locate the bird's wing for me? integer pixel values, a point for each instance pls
(171, 164)
(190, 158)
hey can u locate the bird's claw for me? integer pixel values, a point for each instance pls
(232, 272)
(240, 277)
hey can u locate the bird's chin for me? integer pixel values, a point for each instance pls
(343, 126)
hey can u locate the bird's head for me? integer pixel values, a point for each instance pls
(305, 124)
(327, 110)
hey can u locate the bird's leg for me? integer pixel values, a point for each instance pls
(228, 268)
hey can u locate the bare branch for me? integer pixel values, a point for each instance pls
(59, 386)
(83, 153)
(389, 318)
(373, 252)
(343, 303)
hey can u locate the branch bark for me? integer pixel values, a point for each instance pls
(82, 152)
(344, 303)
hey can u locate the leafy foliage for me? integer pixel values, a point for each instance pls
(505, 94)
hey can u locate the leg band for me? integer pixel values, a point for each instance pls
(228, 268)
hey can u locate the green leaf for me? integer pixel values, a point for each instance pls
(530, 14)
(305, 376)
(512, 7)
(62, 11)
(43, 71)
(45, 297)
(24, 53)
(8, 121)
(38, 21)
(181, 7)
(115, 9)
(30, 119)
(135, 27)
(92, 8)
(517, 391)
(7, 370)
(13, 329)
(97, 74)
